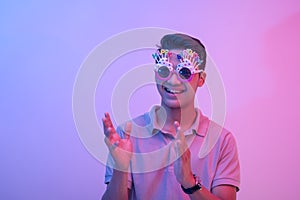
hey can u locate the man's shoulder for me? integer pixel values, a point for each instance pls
(140, 120)
(140, 124)
(209, 126)
(213, 131)
(216, 137)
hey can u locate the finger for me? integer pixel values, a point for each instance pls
(111, 133)
(177, 125)
(178, 148)
(105, 122)
(105, 127)
(108, 119)
(179, 133)
(111, 146)
(127, 129)
(180, 144)
(181, 148)
(107, 142)
(113, 136)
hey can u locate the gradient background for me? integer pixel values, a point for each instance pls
(43, 43)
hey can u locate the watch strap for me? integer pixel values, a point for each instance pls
(193, 189)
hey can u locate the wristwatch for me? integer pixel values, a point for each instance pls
(193, 189)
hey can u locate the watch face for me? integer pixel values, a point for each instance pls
(197, 187)
(192, 189)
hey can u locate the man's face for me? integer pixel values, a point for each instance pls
(174, 92)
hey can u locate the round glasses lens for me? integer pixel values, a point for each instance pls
(163, 71)
(185, 73)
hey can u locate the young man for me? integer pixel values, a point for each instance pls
(156, 155)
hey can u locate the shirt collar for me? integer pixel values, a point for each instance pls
(154, 127)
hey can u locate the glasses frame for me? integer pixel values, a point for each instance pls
(186, 64)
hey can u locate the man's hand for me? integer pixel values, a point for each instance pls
(120, 149)
(182, 166)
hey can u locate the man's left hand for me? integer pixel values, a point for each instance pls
(182, 166)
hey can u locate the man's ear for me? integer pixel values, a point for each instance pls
(202, 79)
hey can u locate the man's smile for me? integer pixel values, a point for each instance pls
(173, 90)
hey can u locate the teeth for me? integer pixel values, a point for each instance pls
(173, 91)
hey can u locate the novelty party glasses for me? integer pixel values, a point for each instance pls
(188, 66)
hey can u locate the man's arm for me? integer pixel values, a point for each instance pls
(184, 175)
(121, 152)
(222, 192)
(117, 187)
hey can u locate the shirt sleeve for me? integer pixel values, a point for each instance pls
(228, 167)
(110, 163)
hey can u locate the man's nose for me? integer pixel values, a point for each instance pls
(174, 80)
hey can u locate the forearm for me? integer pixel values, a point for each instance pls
(117, 188)
(220, 192)
(223, 192)
(203, 194)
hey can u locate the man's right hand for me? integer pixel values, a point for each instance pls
(120, 149)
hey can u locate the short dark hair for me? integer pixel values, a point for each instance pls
(182, 41)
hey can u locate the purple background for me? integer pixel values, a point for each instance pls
(255, 45)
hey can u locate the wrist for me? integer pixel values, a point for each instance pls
(194, 188)
(123, 167)
(120, 171)
(189, 182)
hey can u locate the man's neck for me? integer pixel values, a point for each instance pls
(185, 116)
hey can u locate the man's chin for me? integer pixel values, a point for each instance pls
(172, 104)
